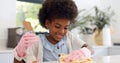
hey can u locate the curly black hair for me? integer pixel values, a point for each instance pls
(57, 9)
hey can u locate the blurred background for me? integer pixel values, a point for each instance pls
(97, 23)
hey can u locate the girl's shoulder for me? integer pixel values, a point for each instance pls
(70, 34)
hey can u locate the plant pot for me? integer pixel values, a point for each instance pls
(103, 37)
(98, 37)
(106, 36)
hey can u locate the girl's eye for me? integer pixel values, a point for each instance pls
(57, 26)
(66, 28)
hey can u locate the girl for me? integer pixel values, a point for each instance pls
(56, 16)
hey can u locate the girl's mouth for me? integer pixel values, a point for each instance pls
(59, 36)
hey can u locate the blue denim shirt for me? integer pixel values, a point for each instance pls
(52, 52)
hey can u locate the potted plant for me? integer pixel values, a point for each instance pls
(94, 21)
(101, 20)
(82, 23)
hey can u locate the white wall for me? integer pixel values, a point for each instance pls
(116, 24)
(7, 19)
(87, 4)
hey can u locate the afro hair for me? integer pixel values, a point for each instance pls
(57, 9)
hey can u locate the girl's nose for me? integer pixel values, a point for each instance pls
(61, 31)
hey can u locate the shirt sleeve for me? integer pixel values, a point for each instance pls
(35, 53)
(30, 57)
(76, 42)
(16, 56)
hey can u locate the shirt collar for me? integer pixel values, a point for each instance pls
(50, 46)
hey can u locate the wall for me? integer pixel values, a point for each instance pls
(115, 24)
(87, 4)
(7, 19)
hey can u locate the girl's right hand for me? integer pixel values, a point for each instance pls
(26, 41)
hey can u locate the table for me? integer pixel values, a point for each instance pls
(104, 59)
(6, 56)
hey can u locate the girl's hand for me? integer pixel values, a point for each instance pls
(89, 47)
(26, 41)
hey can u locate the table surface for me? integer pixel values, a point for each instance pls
(104, 59)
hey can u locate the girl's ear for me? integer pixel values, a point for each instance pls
(47, 23)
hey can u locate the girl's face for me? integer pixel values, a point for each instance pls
(57, 29)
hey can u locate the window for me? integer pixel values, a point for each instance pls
(28, 12)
